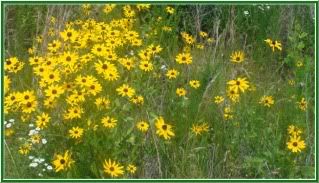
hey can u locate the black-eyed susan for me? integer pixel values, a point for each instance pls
(146, 66)
(125, 90)
(200, 128)
(184, 58)
(170, 10)
(62, 161)
(274, 44)
(73, 113)
(194, 84)
(25, 148)
(109, 122)
(172, 74)
(162, 129)
(131, 168)
(267, 101)
(102, 103)
(295, 144)
(238, 84)
(233, 95)
(237, 57)
(142, 126)
(181, 92)
(137, 99)
(42, 120)
(76, 132)
(113, 168)
(54, 91)
(302, 104)
(218, 99)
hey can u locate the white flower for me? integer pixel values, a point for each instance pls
(33, 164)
(37, 160)
(9, 125)
(246, 12)
(45, 164)
(31, 125)
(5, 122)
(268, 7)
(49, 167)
(44, 169)
(11, 120)
(31, 157)
(38, 129)
(44, 141)
(163, 67)
(40, 174)
(33, 132)
(41, 160)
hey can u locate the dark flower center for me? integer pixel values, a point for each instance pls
(54, 92)
(69, 34)
(62, 161)
(295, 144)
(112, 169)
(164, 127)
(68, 58)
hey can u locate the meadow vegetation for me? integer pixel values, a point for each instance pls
(159, 91)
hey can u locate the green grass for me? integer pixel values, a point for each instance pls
(251, 145)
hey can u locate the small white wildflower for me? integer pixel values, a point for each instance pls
(49, 167)
(44, 169)
(31, 157)
(37, 160)
(9, 125)
(38, 129)
(33, 164)
(33, 132)
(45, 164)
(44, 141)
(41, 160)
(40, 174)
(31, 125)
(5, 122)
(163, 67)
(246, 12)
(268, 7)
(11, 120)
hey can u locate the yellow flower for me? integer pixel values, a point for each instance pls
(237, 57)
(233, 95)
(203, 34)
(102, 102)
(295, 144)
(73, 112)
(218, 99)
(274, 44)
(184, 58)
(131, 168)
(198, 129)
(170, 10)
(194, 84)
(238, 84)
(142, 126)
(76, 132)
(299, 64)
(62, 162)
(228, 113)
(42, 120)
(146, 66)
(69, 35)
(163, 129)
(181, 92)
(267, 101)
(137, 99)
(113, 168)
(172, 74)
(109, 122)
(25, 149)
(302, 104)
(125, 90)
